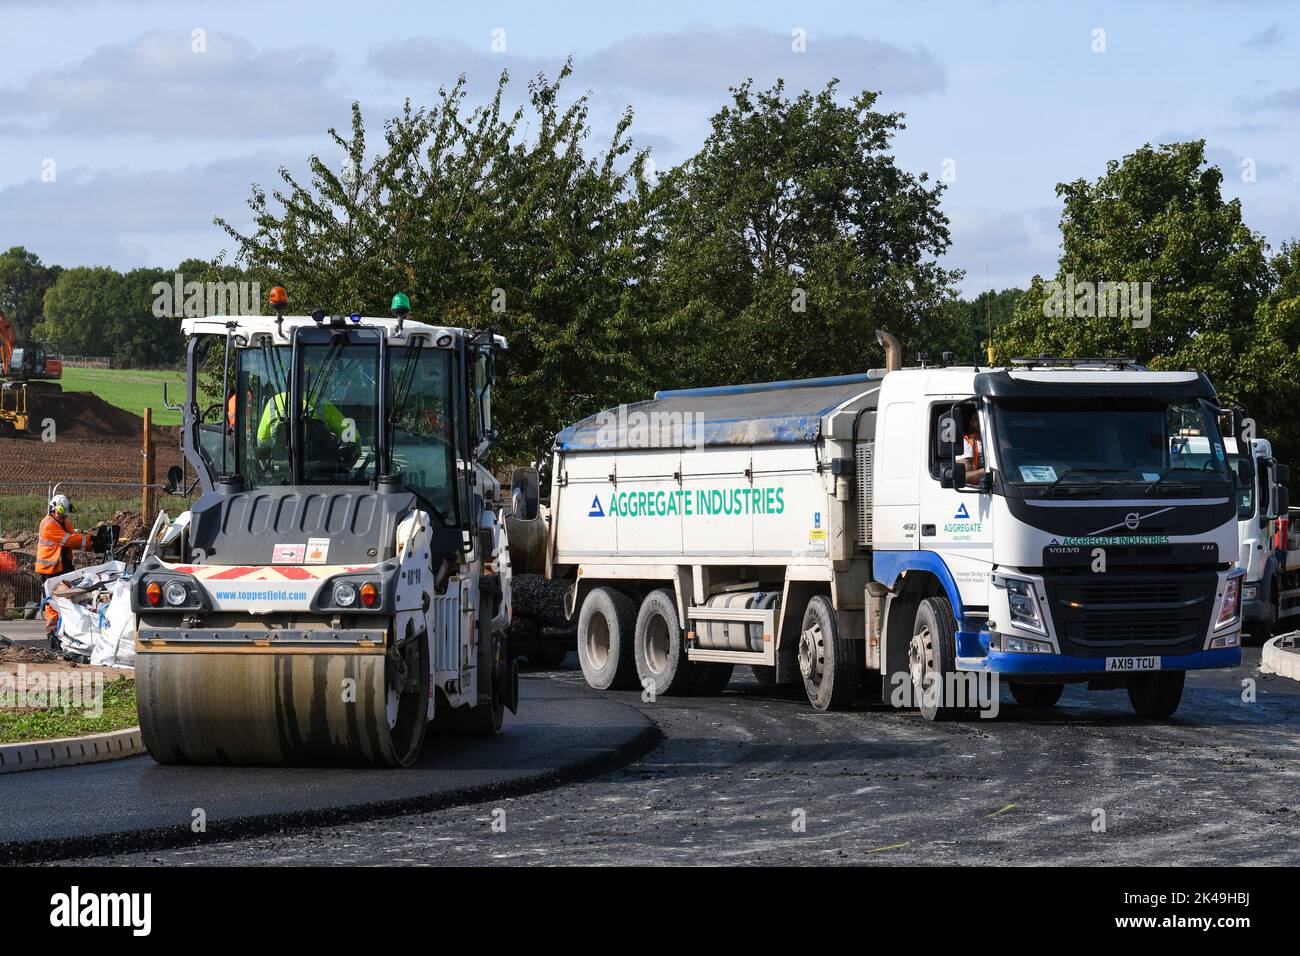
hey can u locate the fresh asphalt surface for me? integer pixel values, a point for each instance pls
(734, 777)
(562, 731)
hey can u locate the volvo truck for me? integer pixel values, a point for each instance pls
(910, 529)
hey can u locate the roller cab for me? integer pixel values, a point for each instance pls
(343, 581)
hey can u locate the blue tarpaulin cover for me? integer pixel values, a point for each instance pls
(767, 413)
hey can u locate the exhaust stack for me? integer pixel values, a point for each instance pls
(893, 351)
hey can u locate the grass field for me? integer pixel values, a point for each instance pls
(117, 712)
(129, 389)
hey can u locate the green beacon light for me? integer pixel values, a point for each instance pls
(400, 307)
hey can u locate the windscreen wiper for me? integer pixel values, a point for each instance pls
(1164, 476)
(1051, 486)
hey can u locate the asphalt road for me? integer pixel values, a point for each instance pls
(736, 776)
(563, 731)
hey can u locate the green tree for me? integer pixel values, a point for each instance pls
(791, 236)
(23, 281)
(1157, 216)
(484, 218)
(82, 311)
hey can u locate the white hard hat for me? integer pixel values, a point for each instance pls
(61, 504)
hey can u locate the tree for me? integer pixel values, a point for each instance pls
(791, 236)
(23, 281)
(82, 311)
(483, 218)
(1155, 217)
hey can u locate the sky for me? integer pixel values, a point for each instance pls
(127, 125)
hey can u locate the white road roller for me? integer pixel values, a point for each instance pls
(344, 578)
(1048, 522)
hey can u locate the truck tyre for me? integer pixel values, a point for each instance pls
(830, 663)
(606, 625)
(1156, 695)
(1036, 695)
(932, 657)
(712, 679)
(660, 648)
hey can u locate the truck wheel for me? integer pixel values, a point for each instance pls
(931, 658)
(606, 625)
(1036, 695)
(830, 663)
(713, 679)
(660, 645)
(1156, 695)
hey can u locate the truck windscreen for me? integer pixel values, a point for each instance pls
(1099, 441)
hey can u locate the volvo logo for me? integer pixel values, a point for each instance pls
(1131, 521)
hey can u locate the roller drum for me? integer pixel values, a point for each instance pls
(248, 707)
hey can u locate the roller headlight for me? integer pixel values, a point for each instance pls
(345, 594)
(175, 593)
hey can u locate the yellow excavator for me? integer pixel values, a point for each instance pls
(26, 374)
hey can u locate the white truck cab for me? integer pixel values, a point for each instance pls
(1099, 543)
(1269, 591)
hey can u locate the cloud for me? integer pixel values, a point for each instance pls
(178, 85)
(1269, 36)
(1275, 100)
(705, 61)
(441, 60)
(1008, 248)
(698, 61)
(126, 218)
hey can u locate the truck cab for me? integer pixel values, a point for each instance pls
(1263, 502)
(1078, 518)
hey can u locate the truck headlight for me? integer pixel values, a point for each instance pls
(345, 594)
(1023, 603)
(176, 593)
(1231, 605)
(1250, 592)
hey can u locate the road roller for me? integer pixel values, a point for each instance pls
(340, 588)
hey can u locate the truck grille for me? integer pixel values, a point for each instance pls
(1131, 614)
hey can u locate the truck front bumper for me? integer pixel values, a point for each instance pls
(1005, 662)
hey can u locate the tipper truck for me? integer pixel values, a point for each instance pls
(344, 577)
(1040, 522)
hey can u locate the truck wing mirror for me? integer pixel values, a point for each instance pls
(952, 474)
(1282, 473)
(1282, 495)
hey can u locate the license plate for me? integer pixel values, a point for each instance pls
(1132, 663)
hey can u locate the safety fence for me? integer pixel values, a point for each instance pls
(24, 504)
(85, 361)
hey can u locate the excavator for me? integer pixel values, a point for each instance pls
(26, 374)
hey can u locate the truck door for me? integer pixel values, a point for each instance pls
(957, 522)
(894, 477)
